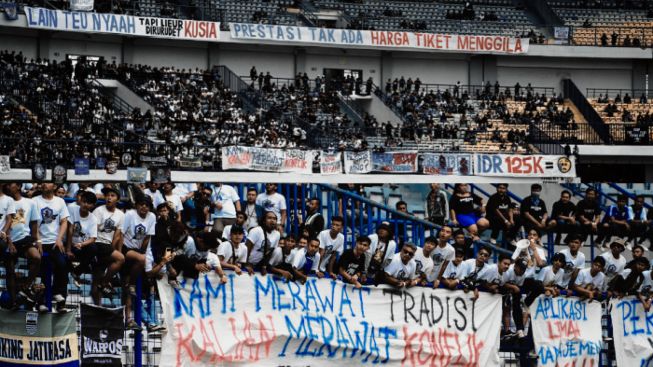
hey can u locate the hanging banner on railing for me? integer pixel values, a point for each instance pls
(103, 331)
(395, 162)
(632, 331)
(267, 159)
(330, 163)
(505, 165)
(393, 39)
(567, 331)
(79, 21)
(358, 162)
(265, 321)
(38, 339)
(447, 164)
(81, 5)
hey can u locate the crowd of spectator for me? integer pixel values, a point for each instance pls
(175, 231)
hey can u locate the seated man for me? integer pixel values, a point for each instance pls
(400, 272)
(351, 265)
(616, 221)
(233, 253)
(563, 216)
(589, 282)
(82, 233)
(306, 261)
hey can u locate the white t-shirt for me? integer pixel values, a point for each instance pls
(511, 277)
(226, 233)
(300, 259)
(278, 257)
(490, 274)
(400, 271)
(256, 237)
(183, 189)
(585, 278)
(549, 278)
(174, 202)
(440, 255)
(612, 266)
(452, 270)
(330, 245)
(83, 228)
(26, 212)
(226, 251)
(468, 267)
(108, 223)
(572, 264)
(272, 203)
(374, 246)
(423, 264)
(227, 196)
(149, 261)
(52, 212)
(156, 197)
(7, 207)
(136, 229)
(647, 285)
(213, 261)
(252, 219)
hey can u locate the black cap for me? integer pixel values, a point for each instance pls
(106, 190)
(237, 229)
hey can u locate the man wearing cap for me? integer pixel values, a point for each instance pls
(615, 263)
(382, 249)
(233, 253)
(108, 243)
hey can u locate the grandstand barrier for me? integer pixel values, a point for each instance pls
(572, 92)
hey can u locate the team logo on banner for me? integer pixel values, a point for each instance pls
(82, 166)
(59, 174)
(31, 322)
(38, 172)
(102, 335)
(126, 159)
(112, 167)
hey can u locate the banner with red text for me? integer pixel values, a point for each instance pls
(283, 34)
(122, 24)
(268, 159)
(632, 329)
(507, 165)
(265, 321)
(567, 331)
(330, 163)
(395, 162)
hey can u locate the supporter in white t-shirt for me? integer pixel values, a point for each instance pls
(7, 212)
(450, 278)
(442, 255)
(424, 262)
(615, 262)
(173, 200)
(82, 233)
(261, 242)
(551, 276)
(332, 245)
(590, 281)
(400, 272)
(272, 201)
(233, 253)
(226, 204)
(533, 253)
(305, 262)
(575, 259)
(109, 241)
(52, 230)
(492, 276)
(645, 291)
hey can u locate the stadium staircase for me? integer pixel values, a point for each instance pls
(571, 92)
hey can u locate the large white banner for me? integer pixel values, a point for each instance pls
(395, 39)
(79, 21)
(330, 163)
(358, 162)
(507, 165)
(632, 330)
(265, 321)
(267, 159)
(567, 331)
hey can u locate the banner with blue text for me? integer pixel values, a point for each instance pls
(126, 25)
(283, 34)
(632, 329)
(567, 331)
(265, 321)
(510, 165)
(268, 159)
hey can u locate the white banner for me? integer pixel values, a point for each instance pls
(76, 21)
(506, 165)
(5, 164)
(267, 159)
(632, 330)
(264, 321)
(358, 162)
(394, 39)
(81, 5)
(567, 331)
(330, 163)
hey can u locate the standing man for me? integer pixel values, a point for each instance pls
(52, 230)
(437, 205)
(253, 211)
(272, 201)
(332, 244)
(226, 203)
(314, 223)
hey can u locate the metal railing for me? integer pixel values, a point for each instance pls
(611, 93)
(476, 89)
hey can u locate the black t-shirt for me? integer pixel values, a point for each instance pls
(588, 209)
(559, 208)
(495, 202)
(350, 263)
(536, 210)
(465, 204)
